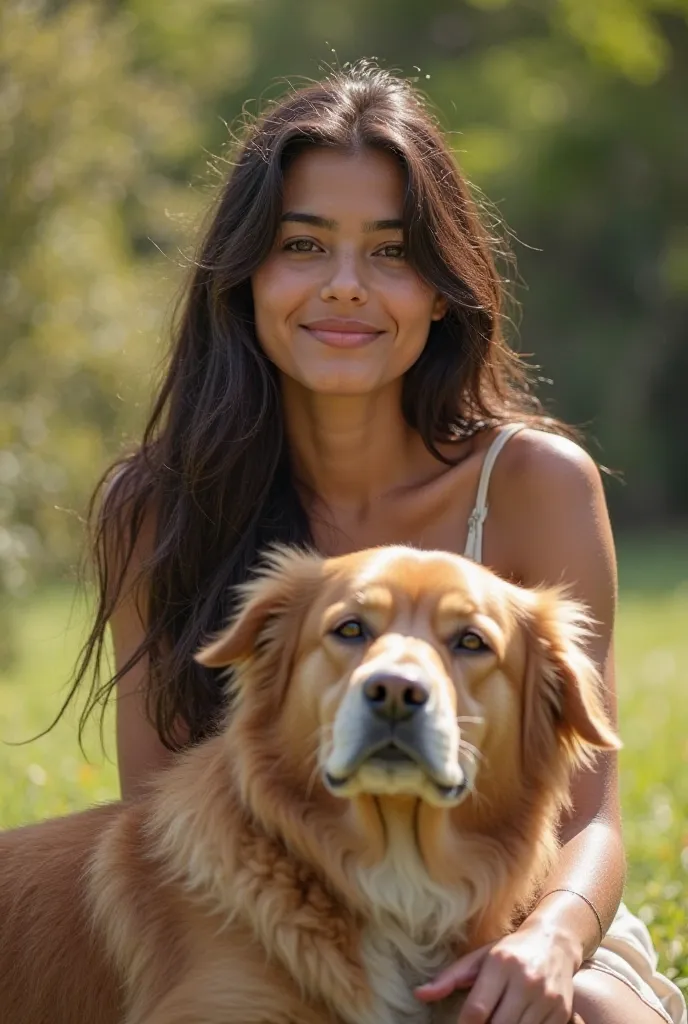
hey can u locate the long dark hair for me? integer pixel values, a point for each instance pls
(212, 473)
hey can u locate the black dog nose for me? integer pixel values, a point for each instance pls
(393, 697)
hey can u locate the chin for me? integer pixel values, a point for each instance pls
(347, 373)
(346, 384)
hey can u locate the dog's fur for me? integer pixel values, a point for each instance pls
(276, 873)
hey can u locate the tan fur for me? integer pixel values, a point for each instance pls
(243, 889)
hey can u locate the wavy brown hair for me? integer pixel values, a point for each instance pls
(213, 469)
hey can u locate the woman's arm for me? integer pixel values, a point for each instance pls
(561, 533)
(548, 523)
(140, 751)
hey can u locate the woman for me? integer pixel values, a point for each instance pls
(339, 377)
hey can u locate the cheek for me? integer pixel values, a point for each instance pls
(499, 707)
(276, 294)
(312, 700)
(411, 303)
(270, 284)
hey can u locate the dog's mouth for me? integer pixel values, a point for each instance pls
(391, 753)
(394, 768)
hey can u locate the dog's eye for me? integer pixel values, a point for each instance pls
(352, 629)
(470, 641)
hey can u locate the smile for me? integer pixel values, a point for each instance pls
(344, 339)
(343, 332)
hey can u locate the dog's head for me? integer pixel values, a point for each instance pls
(395, 672)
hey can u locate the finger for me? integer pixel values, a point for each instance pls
(485, 995)
(457, 975)
(546, 1015)
(513, 1005)
(540, 1015)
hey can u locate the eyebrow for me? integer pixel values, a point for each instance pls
(374, 598)
(456, 606)
(369, 226)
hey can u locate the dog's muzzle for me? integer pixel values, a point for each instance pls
(391, 739)
(394, 698)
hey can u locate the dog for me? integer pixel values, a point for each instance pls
(383, 798)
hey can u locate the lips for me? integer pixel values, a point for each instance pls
(392, 756)
(343, 333)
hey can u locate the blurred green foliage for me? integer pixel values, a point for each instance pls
(569, 114)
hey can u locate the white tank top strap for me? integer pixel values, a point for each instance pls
(474, 540)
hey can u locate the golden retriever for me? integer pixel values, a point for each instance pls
(384, 798)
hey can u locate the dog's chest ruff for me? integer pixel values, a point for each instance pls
(415, 926)
(410, 931)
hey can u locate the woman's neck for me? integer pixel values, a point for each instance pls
(351, 451)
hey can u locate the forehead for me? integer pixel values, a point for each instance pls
(390, 580)
(329, 181)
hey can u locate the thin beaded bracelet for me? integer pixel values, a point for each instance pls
(589, 902)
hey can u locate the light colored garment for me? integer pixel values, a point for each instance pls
(626, 952)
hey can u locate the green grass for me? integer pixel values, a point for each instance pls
(50, 776)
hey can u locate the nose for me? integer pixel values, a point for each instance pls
(394, 698)
(345, 283)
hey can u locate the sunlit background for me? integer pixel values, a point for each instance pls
(570, 115)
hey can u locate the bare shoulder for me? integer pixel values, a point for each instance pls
(548, 505)
(128, 525)
(536, 459)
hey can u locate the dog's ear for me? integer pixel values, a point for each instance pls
(562, 686)
(284, 586)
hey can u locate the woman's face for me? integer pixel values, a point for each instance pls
(337, 307)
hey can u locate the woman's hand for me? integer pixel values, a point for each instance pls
(525, 978)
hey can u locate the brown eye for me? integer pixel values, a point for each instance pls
(394, 251)
(352, 629)
(470, 641)
(300, 245)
